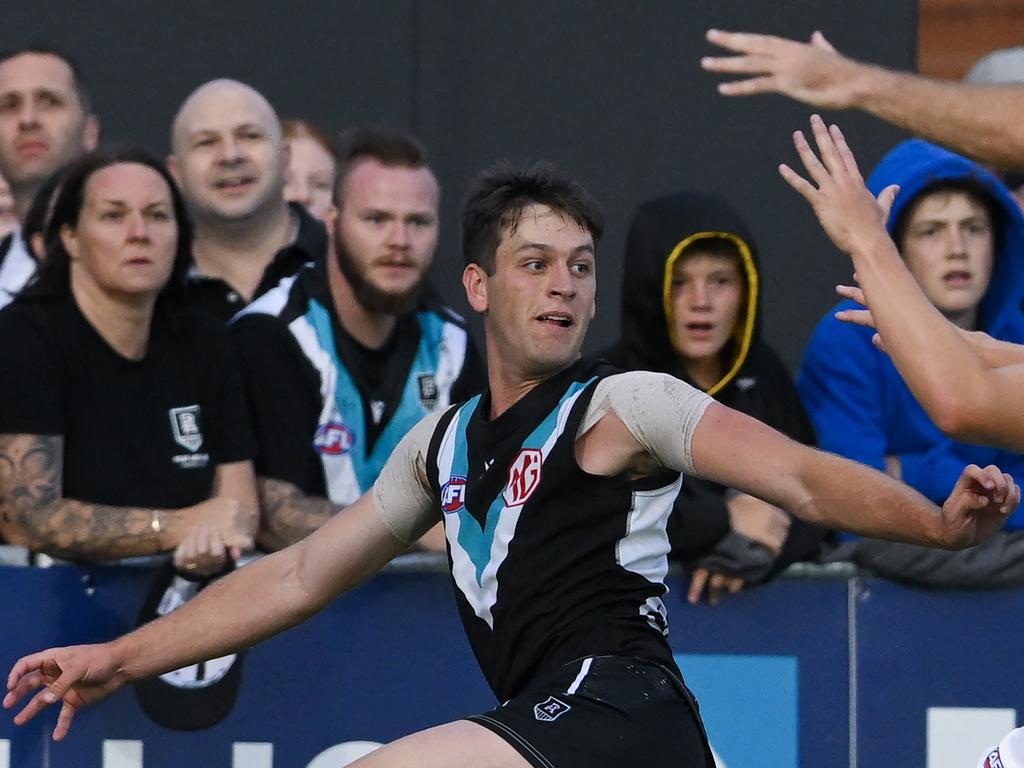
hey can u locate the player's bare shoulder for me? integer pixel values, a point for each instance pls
(639, 422)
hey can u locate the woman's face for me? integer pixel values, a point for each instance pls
(127, 236)
(310, 179)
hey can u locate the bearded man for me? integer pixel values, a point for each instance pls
(342, 359)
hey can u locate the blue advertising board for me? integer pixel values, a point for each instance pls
(779, 672)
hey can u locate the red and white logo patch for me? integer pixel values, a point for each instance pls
(453, 495)
(523, 477)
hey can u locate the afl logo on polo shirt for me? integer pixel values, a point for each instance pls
(453, 495)
(333, 438)
(523, 477)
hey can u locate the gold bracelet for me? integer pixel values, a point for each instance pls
(154, 524)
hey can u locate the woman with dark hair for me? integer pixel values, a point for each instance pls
(123, 429)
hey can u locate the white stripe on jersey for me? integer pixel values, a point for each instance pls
(645, 547)
(340, 474)
(451, 356)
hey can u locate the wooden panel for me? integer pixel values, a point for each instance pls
(953, 34)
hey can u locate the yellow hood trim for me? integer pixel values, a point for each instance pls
(743, 334)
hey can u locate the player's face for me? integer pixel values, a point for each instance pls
(385, 232)
(948, 248)
(707, 295)
(310, 178)
(126, 237)
(540, 299)
(42, 124)
(229, 155)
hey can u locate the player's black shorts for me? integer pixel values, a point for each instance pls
(604, 712)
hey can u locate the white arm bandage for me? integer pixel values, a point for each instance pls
(402, 496)
(659, 410)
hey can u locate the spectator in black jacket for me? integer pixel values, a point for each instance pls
(690, 307)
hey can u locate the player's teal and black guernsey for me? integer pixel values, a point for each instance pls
(550, 563)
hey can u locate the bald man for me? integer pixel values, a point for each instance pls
(229, 158)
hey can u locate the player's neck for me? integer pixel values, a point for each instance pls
(371, 329)
(510, 383)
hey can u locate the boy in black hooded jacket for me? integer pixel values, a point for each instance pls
(690, 307)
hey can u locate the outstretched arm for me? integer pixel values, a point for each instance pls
(980, 121)
(736, 450)
(639, 421)
(251, 604)
(266, 597)
(959, 390)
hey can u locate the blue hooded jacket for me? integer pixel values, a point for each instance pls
(856, 398)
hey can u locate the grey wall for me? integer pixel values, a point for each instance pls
(611, 90)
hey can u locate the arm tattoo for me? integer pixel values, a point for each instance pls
(288, 514)
(34, 513)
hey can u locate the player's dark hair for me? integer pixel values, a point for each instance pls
(77, 81)
(54, 274)
(389, 148)
(500, 193)
(974, 188)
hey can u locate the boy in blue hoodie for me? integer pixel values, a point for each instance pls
(962, 237)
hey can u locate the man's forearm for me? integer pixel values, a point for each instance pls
(942, 369)
(996, 353)
(289, 515)
(261, 599)
(978, 121)
(845, 495)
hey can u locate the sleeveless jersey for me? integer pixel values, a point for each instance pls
(550, 563)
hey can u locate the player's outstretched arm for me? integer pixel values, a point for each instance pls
(980, 121)
(740, 452)
(263, 598)
(958, 389)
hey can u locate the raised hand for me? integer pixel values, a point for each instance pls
(850, 215)
(814, 73)
(861, 317)
(76, 676)
(980, 503)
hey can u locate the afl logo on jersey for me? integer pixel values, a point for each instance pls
(453, 495)
(523, 477)
(333, 438)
